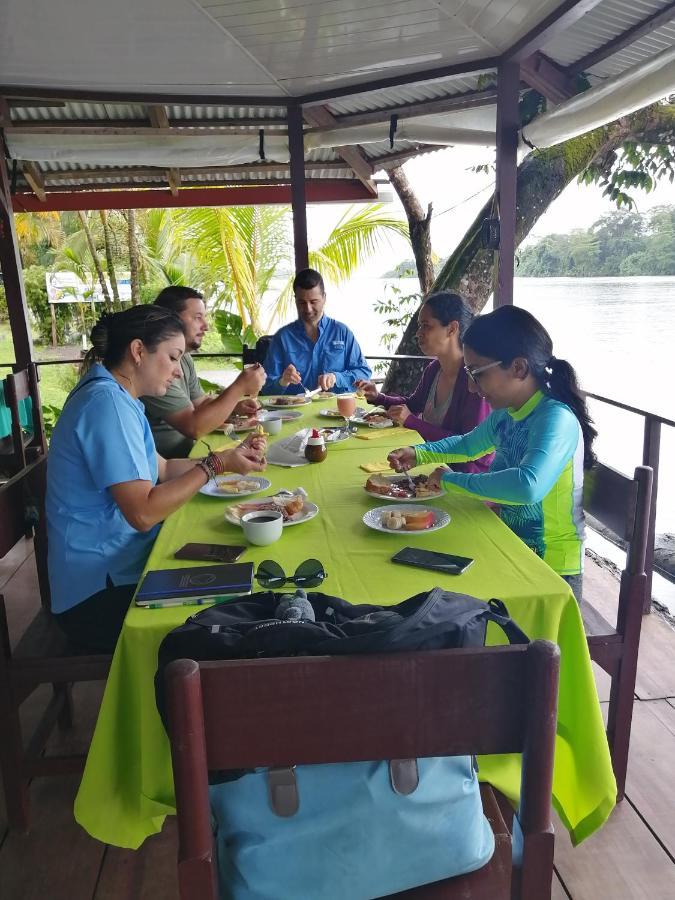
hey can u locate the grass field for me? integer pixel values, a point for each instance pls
(56, 382)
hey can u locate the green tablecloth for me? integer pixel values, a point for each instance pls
(127, 788)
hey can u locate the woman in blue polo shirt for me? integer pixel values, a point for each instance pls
(108, 489)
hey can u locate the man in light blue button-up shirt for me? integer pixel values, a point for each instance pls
(314, 351)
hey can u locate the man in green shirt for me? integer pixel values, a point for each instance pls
(185, 412)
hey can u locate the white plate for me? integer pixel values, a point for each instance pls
(270, 404)
(361, 420)
(211, 489)
(338, 439)
(324, 395)
(334, 414)
(308, 511)
(405, 499)
(373, 519)
(279, 412)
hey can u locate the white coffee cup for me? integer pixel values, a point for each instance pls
(272, 425)
(263, 527)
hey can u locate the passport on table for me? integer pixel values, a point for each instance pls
(195, 585)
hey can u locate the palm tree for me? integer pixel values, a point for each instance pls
(244, 248)
(39, 235)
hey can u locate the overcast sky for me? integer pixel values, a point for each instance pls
(457, 193)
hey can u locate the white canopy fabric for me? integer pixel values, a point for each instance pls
(634, 89)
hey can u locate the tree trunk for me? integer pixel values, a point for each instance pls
(94, 255)
(541, 179)
(133, 258)
(110, 265)
(419, 226)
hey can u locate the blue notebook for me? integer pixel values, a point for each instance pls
(195, 585)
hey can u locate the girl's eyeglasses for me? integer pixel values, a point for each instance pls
(474, 373)
(309, 573)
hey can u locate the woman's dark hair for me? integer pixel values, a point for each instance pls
(511, 332)
(447, 307)
(113, 333)
(175, 297)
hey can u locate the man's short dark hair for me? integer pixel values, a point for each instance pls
(176, 296)
(306, 279)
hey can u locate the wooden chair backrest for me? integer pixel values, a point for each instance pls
(22, 506)
(308, 710)
(622, 504)
(19, 386)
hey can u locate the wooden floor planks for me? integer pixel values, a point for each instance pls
(627, 860)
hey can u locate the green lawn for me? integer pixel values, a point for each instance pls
(56, 382)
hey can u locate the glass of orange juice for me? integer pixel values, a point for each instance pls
(346, 404)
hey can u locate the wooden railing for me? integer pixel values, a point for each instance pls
(651, 447)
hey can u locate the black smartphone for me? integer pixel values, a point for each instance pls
(217, 553)
(430, 559)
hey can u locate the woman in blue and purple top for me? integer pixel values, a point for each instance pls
(441, 404)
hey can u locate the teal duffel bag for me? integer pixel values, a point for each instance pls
(348, 831)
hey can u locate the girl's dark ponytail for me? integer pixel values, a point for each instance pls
(560, 381)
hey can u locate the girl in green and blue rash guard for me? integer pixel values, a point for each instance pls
(539, 429)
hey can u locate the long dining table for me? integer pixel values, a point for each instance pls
(127, 787)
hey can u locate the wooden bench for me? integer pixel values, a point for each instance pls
(41, 656)
(621, 504)
(223, 715)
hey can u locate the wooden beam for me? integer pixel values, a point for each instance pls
(353, 156)
(625, 39)
(55, 178)
(34, 177)
(465, 100)
(159, 185)
(508, 124)
(298, 188)
(224, 125)
(158, 117)
(174, 181)
(5, 115)
(323, 190)
(542, 74)
(40, 92)
(563, 17)
(10, 264)
(395, 159)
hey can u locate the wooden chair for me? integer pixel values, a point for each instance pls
(622, 504)
(41, 656)
(22, 444)
(223, 715)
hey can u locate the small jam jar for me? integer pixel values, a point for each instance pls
(315, 449)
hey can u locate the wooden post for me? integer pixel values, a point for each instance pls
(651, 451)
(508, 123)
(10, 263)
(52, 312)
(298, 199)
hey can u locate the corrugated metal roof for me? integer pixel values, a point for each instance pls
(602, 24)
(400, 96)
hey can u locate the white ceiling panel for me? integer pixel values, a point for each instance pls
(125, 45)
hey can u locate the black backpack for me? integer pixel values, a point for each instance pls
(247, 628)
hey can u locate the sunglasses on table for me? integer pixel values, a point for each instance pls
(473, 374)
(309, 573)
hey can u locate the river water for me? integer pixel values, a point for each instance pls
(619, 333)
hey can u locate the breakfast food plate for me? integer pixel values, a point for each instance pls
(235, 486)
(400, 519)
(399, 489)
(324, 395)
(283, 413)
(334, 435)
(334, 414)
(294, 505)
(374, 419)
(285, 401)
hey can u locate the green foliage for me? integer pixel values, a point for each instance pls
(398, 309)
(3, 304)
(38, 303)
(232, 331)
(621, 243)
(637, 166)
